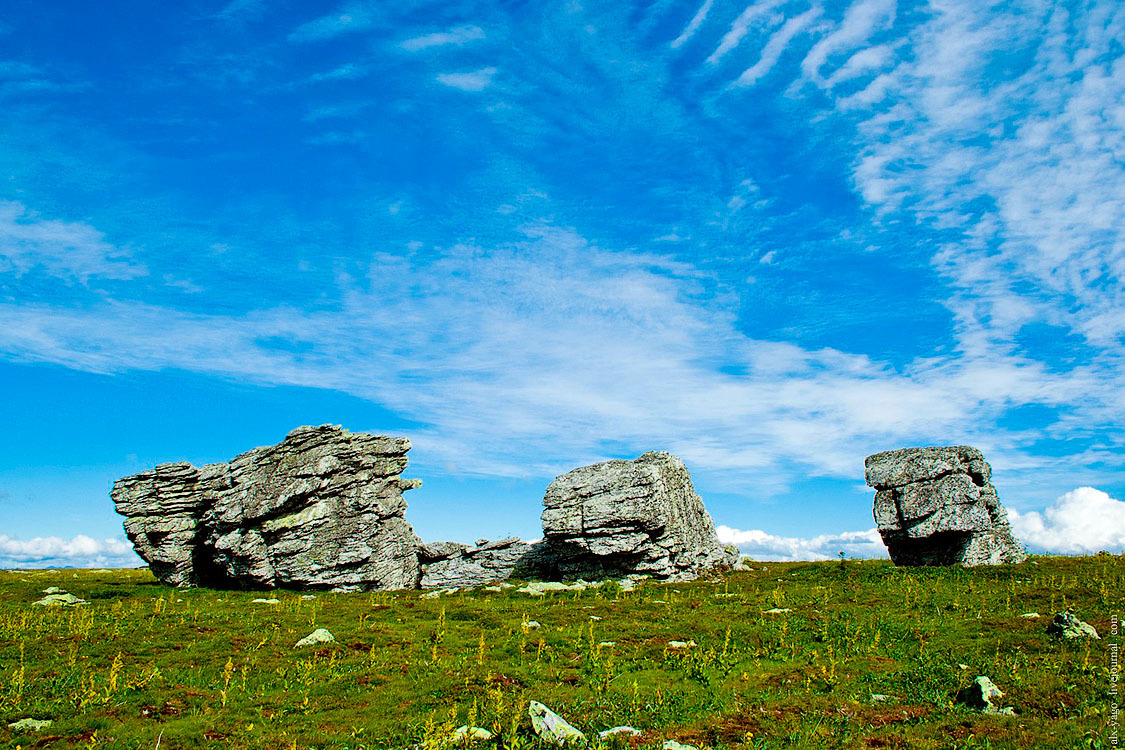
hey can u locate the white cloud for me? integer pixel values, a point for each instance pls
(344, 72)
(456, 36)
(693, 26)
(741, 27)
(73, 251)
(861, 21)
(79, 552)
(1083, 521)
(477, 80)
(775, 47)
(349, 19)
(570, 352)
(761, 545)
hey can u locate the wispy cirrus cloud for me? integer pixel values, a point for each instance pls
(454, 37)
(693, 25)
(349, 19)
(477, 80)
(73, 251)
(776, 46)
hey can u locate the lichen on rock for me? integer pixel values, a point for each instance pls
(937, 506)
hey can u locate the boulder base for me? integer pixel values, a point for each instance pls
(937, 506)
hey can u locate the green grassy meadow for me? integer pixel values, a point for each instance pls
(144, 665)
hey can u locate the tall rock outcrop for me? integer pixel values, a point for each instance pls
(937, 506)
(322, 509)
(621, 517)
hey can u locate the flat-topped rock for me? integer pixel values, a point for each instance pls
(620, 517)
(321, 509)
(937, 506)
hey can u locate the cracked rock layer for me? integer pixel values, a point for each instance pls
(321, 509)
(937, 506)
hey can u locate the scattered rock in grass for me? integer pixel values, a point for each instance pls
(673, 745)
(316, 638)
(1030, 615)
(465, 733)
(551, 727)
(59, 600)
(625, 731)
(595, 618)
(776, 611)
(307, 597)
(607, 644)
(54, 590)
(266, 601)
(682, 644)
(937, 506)
(529, 625)
(1069, 626)
(879, 698)
(493, 588)
(30, 725)
(980, 694)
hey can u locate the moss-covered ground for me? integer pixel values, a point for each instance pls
(148, 666)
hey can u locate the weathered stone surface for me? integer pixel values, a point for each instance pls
(640, 516)
(318, 637)
(1068, 626)
(446, 564)
(936, 506)
(323, 509)
(552, 728)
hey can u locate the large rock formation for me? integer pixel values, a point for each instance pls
(322, 509)
(937, 506)
(621, 517)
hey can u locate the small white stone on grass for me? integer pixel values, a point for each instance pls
(594, 617)
(307, 597)
(1030, 615)
(29, 725)
(59, 600)
(625, 731)
(530, 625)
(682, 644)
(607, 644)
(552, 728)
(266, 601)
(673, 745)
(465, 733)
(54, 590)
(315, 638)
(777, 611)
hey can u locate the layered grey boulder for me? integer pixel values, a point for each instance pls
(937, 506)
(621, 517)
(449, 564)
(322, 509)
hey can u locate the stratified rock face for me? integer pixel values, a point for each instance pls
(936, 506)
(621, 517)
(450, 565)
(322, 509)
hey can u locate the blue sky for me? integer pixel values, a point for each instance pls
(772, 238)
